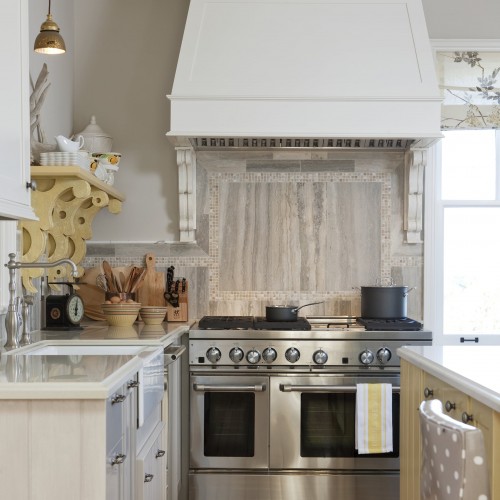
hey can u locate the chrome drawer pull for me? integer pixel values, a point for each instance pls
(148, 478)
(324, 388)
(229, 388)
(132, 384)
(160, 453)
(118, 459)
(119, 398)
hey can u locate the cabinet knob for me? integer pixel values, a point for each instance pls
(132, 384)
(160, 453)
(31, 185)
(450, 406)
(467, 417)
(148, 478)
(119, 398)
(118, 459)
(428, 392)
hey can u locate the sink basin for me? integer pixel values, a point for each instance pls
(84, 350)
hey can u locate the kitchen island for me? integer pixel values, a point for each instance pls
(81, 414)
(467, 381)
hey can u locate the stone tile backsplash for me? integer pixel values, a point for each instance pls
(288, 228)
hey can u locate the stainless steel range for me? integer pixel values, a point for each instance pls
(272, 412)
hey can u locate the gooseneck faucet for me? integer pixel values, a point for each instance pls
(13, 319)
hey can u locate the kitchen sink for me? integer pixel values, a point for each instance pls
(83, 350)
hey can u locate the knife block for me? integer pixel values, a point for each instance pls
(179, 313)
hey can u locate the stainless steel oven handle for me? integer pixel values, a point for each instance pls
(229, 388)
(323, 388)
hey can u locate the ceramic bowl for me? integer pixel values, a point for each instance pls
(153, 315)
(122, 314)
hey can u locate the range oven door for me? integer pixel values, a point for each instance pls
(313, 423)
(229, 422)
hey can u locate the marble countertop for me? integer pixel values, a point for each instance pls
(24, 376)
(473, 370)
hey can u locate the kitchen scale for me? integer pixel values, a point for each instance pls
(63, 311)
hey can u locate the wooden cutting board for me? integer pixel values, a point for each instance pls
(153, 287)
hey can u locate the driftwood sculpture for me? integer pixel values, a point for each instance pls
(37, 99)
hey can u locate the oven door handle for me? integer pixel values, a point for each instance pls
(229, 388)
(323, 388)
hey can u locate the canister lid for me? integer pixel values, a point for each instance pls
(92, 129)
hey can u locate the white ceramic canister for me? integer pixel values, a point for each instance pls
(96, 140)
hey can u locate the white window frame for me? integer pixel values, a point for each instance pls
(433, 223)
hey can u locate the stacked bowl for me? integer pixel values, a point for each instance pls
(153, 315)
(122, 313)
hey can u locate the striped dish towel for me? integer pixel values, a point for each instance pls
(373, 431)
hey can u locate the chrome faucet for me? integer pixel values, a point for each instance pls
(13, 319)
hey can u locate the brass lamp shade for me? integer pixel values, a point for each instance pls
(49, 41)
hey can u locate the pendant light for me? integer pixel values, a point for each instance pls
(49, 41)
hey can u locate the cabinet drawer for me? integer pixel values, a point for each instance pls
(151, 467)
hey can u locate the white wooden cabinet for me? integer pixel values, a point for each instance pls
(151, 468)
(15, 196)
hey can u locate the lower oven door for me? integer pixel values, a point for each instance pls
(313, 423)
(229, 422)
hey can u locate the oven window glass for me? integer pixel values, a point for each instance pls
(229, 424)
(327, 426)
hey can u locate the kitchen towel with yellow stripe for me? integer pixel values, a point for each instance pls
(373, 432)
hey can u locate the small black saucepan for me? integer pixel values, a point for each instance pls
(285, 313)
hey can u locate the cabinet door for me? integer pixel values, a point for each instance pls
(15, 197)
(150, 468)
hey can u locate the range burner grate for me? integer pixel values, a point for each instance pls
(261, 323)
(399, 324)
(226, 323)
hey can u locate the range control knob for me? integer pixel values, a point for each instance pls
(366, 357)
(320, 357)
(213, 355)
(253, 356)
(384, 355)
(236, 354)
(292, 355)
(269, 355)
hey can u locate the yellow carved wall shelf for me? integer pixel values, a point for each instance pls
(66, 200)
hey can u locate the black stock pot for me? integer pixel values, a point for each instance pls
(384, 302)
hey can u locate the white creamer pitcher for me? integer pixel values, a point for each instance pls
(69, 146)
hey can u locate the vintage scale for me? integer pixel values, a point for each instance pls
(63, 311)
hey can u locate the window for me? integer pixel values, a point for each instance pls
(467, 237)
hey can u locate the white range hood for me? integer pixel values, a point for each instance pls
(305, 73)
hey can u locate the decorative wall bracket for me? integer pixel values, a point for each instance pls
(415, 162)
(186, 162)
(66, 200)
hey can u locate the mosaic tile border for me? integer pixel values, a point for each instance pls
(216, 178)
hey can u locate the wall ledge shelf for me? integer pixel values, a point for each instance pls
(66, 200)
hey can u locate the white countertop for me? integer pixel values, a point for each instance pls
(25, 376)
(473, 370)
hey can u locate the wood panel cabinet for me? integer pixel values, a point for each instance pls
(15, 195)
(417, 385)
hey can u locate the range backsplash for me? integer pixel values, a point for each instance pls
(289, 228)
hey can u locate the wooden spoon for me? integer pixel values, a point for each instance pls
(122, 281)
(108, 272)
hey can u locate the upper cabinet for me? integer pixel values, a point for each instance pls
(15, 194)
